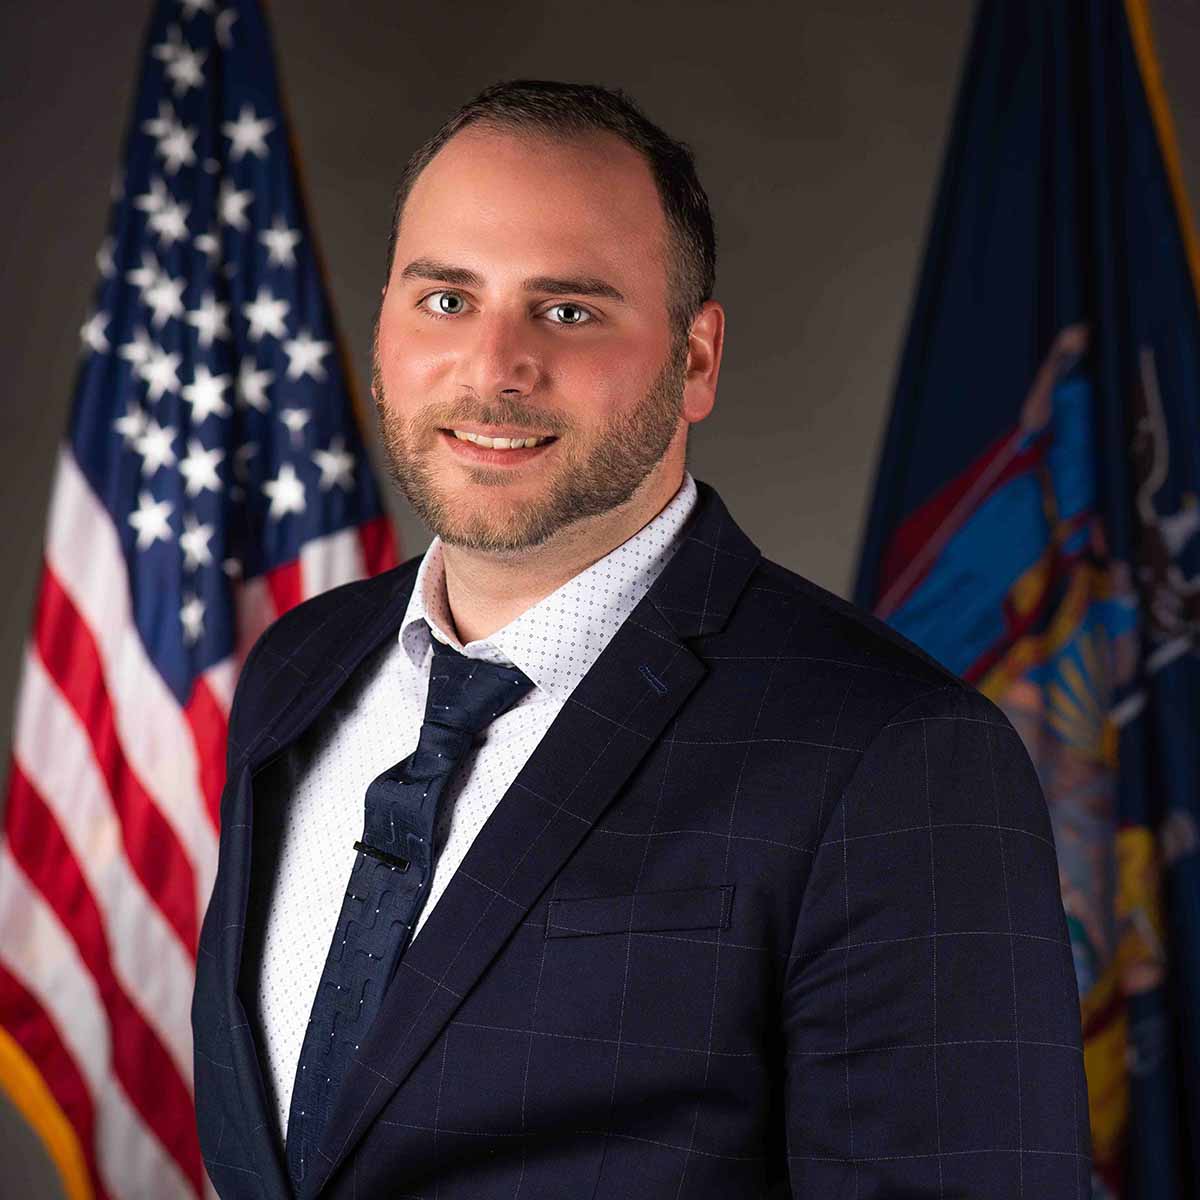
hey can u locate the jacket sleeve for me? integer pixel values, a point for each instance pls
(931, 1014)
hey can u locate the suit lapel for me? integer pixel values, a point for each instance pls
(313, 673)
(616, 714)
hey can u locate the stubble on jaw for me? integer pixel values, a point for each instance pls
(587, 482)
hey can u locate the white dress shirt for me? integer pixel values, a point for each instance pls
(375, 721)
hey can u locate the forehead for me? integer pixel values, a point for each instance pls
(492, 199)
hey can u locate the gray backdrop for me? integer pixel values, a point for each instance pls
(818, 126)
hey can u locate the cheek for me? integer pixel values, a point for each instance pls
(408, 363)
(599, 383)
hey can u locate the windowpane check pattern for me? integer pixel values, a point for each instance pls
(772, 910)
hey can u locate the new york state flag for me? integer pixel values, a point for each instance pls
(1036, 523)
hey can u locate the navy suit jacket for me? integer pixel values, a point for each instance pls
(772, 911)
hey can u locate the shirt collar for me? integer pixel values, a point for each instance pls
(556, 641)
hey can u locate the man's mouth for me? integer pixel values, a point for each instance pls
(515, 442)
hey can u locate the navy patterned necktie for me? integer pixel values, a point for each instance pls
(389, 883)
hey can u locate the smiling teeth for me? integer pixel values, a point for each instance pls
(500, 443)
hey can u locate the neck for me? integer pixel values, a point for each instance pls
(486, 591)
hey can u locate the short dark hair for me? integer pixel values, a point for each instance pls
(563, 110)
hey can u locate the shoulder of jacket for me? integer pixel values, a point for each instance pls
(811, 617)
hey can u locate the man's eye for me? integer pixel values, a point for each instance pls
(452, 304)
(446, 304)
(571, 314)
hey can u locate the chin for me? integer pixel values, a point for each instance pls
(493, 524)
(502, 541)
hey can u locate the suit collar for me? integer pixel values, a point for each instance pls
(583, 611)
(703, 581)
(694, 594)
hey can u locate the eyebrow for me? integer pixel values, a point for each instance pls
(585, 285)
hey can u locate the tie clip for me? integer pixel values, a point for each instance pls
(392, 860)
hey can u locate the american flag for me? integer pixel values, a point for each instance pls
(212, 476)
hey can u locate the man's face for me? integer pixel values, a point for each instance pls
(527, 299)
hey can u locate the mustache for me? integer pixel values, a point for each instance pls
(493, 412)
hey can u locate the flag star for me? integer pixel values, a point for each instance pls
(232, 567)
(224, 23)
(177, 149)
(161, 126)
(170, 223)
(295, 419)
(281, 243)
(199, 468)
(265, 315)
(206, 395)
(336, 465)
(166, 51)
(304, 356)
(146, 276)
(211, 320)
(139, 350)
(151, 521)
(91, 332)
(252, 385)
(193, 541)
(285, 491)
(191, 616)
(247, 134)
(155, 447)
(155, 199)
(210, 245)
(231, 204)
(165, 298)
(192, 7)
(132, 425)
(184, 69)
(104, 258)
(160, 371)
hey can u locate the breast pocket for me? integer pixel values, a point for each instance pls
(641, 912)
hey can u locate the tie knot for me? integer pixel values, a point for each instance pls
(467, 694)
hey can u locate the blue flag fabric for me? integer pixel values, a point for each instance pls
(1036, 523)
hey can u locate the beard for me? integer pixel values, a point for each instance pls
(590, 479)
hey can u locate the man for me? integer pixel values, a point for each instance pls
(592, 854)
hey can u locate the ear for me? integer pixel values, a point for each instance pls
(706, 340)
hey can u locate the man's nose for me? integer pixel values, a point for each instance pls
(501, 355)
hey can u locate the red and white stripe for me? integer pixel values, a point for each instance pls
(110, 843)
